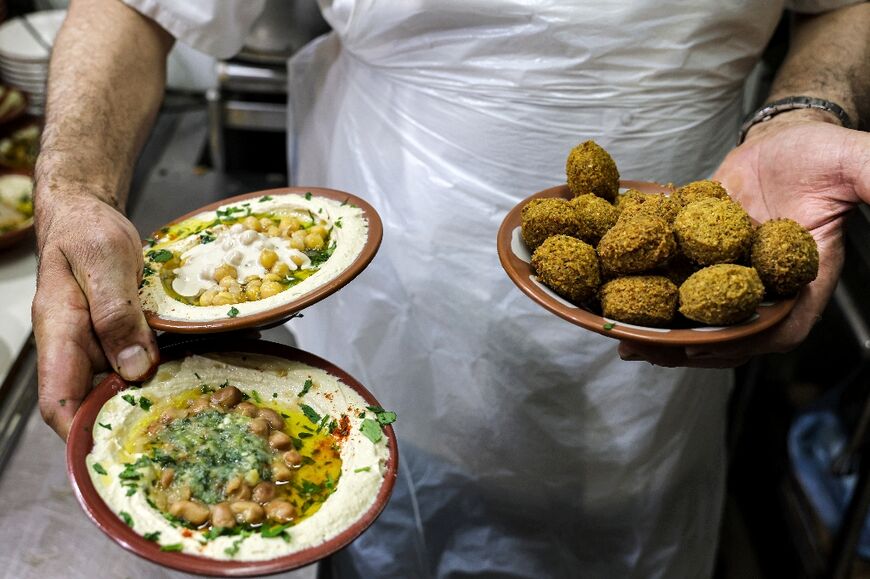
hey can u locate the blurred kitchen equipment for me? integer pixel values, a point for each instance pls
(25, 48)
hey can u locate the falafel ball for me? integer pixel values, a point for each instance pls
(651, 203)
(785, 256)
(569, 266)
(591, 169)
(542, 218)
(646, 300)
(697, 190)
(712, 231)
(721, 294)
(636, 245)
(595, 217)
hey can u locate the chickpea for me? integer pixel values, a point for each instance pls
(206, 298)
(320, 230)
(270, 288)
(224, 270)
(251, 278)
(281, 472)
(260, 427)
(264, 492)
(227, 281)
(281, 269)
(254, 282)
(268, 258)
(292, 458)
(222, 516)
(279, 441)
(314, 241)
(273, 231)
(235, 290)
(280, 511)
(224, 298)
(166, 477)
(252, 292)
(297, 240)
(237, 490)
(290, 224)
(248, 512)
(274, 419)
(198, 405)
(190, 511)
(266, 223)
(246, 409)
(251, 222)
(226, 397)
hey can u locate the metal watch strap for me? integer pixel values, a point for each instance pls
(771, 109)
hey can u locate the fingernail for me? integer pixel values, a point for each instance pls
(133, 362)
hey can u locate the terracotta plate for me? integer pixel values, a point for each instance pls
(80, 442)
(515, 258)
(283, 312)
(25, 229)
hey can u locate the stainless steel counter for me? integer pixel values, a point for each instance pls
(43, 532)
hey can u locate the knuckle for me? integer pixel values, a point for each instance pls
(115, 317)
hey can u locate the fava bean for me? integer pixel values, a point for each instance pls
(190, 511)
(280, 511)
(247, 512)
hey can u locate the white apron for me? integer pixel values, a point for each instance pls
(529, 449)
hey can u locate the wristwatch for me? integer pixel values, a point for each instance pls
(771, 109)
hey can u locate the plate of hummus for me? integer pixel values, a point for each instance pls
(16, 207)
(255, 260)
(236, 458)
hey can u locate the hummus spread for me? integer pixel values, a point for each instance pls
(248, 257)
(169, 455)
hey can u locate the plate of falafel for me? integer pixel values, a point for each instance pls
(655, 263)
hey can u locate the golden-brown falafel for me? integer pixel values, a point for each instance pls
(712, 231)
(568, 266)
(591, 169)
(650, 203)
(785, 256)
(542, 218)
(646, 300)
(697, 190)
(636, 245)
(595, 217)
(721, 294)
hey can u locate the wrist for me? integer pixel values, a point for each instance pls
(792, 117)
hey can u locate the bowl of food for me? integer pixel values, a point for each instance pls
(255, 260)
(16, 207)
(237, 458)
(654, 263)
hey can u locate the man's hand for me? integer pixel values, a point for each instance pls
(87, 305)
(799, 166)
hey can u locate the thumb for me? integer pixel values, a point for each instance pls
(111, 288)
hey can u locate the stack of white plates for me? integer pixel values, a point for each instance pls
(25, 48)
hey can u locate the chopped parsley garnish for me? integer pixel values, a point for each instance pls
(308, 196)
(384, 416)
(227, 214)
(270, 531)
(305, 435)
(206, 389)
(274, 394)
(609, 326)
(363, 469)
(98, 468)
(174, 547)
(152, 536)
(310, 413)
(306, 387)
(256, 396)
(343, 203)
(144, 283)
(206, 237)
(129, 399)
(146, 271)
(159, 255)
(126, 517)
(198, 377)
(266, 198)
(145, 404)
(338, 223)
(233, 312)
(371, 429)
(107, 426)
(151, 241)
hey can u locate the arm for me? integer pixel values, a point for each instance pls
(800, 164)
(105, 86)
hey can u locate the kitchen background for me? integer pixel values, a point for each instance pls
(799, 488)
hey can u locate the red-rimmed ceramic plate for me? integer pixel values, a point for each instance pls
(515, 258)
(285, 310)
(25, 228)
(80, 443)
